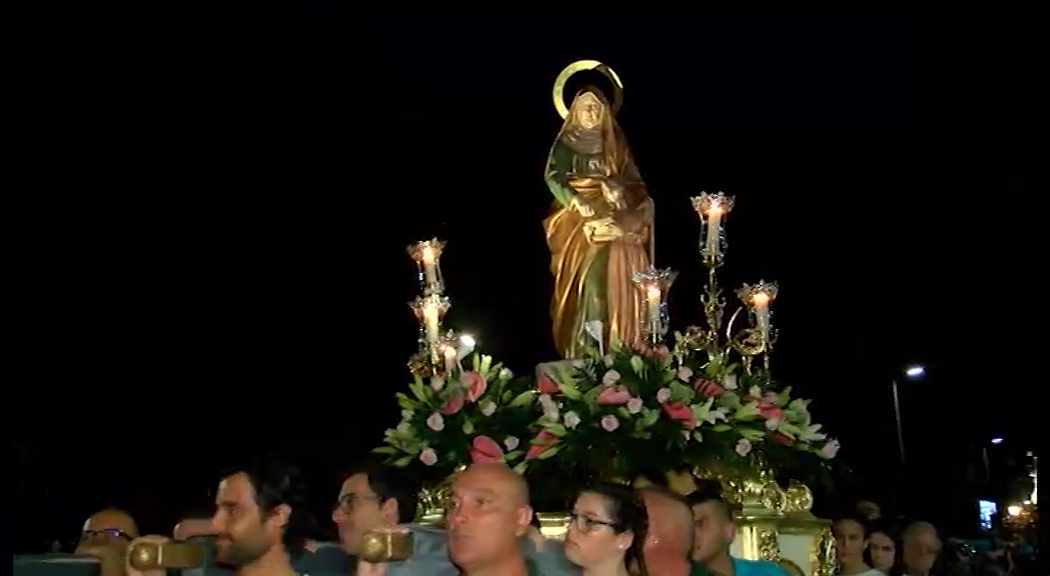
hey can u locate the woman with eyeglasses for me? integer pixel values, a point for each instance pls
(606, 531)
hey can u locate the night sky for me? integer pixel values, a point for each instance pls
(229, 268)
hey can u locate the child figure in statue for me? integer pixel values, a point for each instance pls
(600, 232)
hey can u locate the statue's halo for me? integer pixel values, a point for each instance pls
(579, 66)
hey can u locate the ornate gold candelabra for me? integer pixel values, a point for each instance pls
(751, 341)
(437, 352)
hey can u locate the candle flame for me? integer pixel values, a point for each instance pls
(715, 209)
(428, 255)
(450, 352)
(430, 311)
(653, 292)
(761, 299)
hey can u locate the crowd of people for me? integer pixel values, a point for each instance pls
(259, 528)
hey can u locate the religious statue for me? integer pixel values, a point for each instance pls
(600, 234)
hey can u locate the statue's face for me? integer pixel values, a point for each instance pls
(589, 111)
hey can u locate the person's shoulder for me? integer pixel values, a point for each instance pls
(744, 567)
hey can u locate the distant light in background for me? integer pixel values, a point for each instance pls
(997, 440)
(915, 371)
(1013, 510)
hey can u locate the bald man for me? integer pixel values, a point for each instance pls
(110, 527)
(106, 535)
(487, 520)
(670, 538)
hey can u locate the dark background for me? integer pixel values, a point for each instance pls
(229, 271)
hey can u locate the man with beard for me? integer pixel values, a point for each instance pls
(257, 520)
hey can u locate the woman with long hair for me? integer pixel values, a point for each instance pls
(851, 539)
(607, 530)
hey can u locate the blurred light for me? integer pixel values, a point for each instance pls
(1013, 510)
(997, 440)
(915, 371)
(467, 340)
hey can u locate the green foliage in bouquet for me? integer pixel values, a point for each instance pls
(635, 412)
(476, 415)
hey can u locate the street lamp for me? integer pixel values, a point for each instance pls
(912, 372)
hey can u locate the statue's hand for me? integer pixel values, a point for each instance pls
(582, 207)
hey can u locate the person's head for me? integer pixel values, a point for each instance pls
(258, 513)
(868, 510)
(850, 539)
(607, 528)
(670, 521)
(371, 497)
(487, 514)
(713, 526)
(110, 527)
(920, 547)
(588, 110)
(882, 548)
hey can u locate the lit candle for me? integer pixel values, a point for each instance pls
(652, 294)
(430, 321)
(428, 266)
(450, 358)
(714, 224)
(761, 302)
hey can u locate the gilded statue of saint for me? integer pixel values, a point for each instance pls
(600, 232)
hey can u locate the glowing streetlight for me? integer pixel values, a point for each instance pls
(912, 372)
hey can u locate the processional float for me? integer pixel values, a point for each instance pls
(622, 401)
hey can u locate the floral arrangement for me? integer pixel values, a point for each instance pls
(637, 411)
(476, 415)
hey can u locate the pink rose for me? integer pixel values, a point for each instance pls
(474, 384)
(770, 411)
(428, 457)
(547, 385)
(454, 403)
(614, 396)
(680, 413)
(709, 388)
(540, 444)
(485, 450)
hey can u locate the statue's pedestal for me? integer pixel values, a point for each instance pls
(801, 544)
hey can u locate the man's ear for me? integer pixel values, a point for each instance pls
(390, 512)
(280, 515)
(729, 531)
(524, 519)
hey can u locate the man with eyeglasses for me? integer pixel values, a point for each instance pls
(111, 528)
(371, 497)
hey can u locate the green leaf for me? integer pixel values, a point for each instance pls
(507, 395)
(668, 376)
(522, 399)
(680, 392)
(591, 396)
(651, 416)
(550, 452)
(751, 434)
(475, 362)
(556, 429)
(721, 428)
(697, 436)
(402, 462)
(570, 390)
(512, 456)
(521, 467)
(623, 413)
(784, 397)
(730, 400)
(405, 402)
(385, 450)
(468, 426)
(419, 390)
